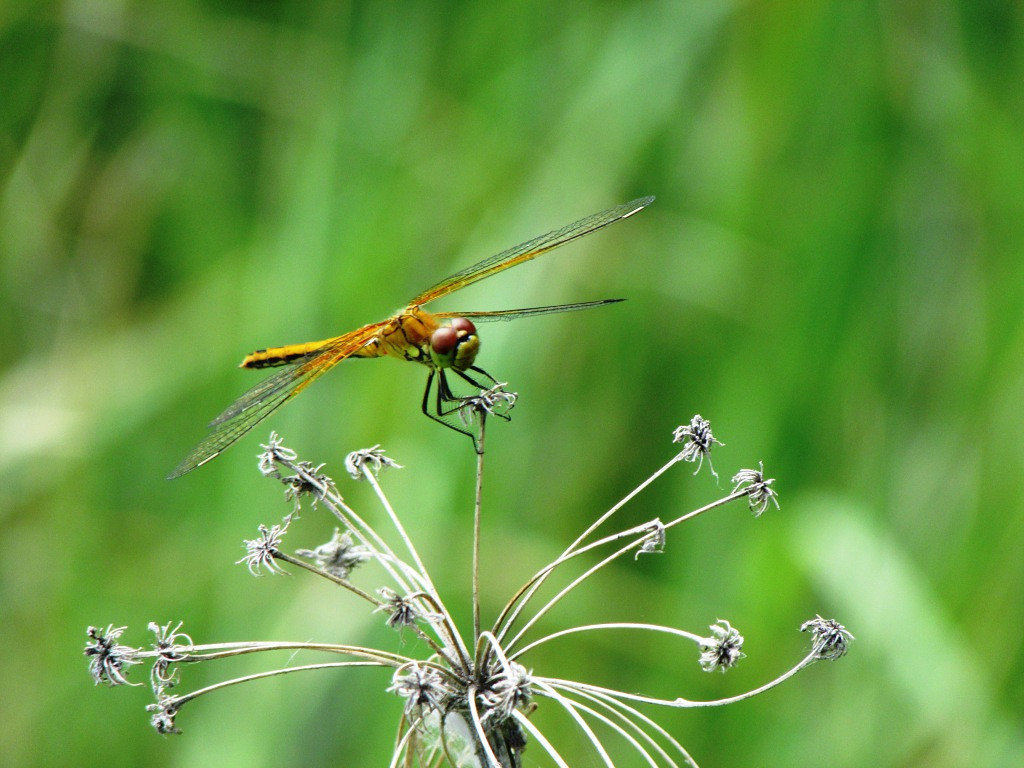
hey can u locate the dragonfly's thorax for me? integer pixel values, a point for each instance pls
(420, 337)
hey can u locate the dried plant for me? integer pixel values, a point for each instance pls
(468, 696)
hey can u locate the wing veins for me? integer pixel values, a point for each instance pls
(264, 398)
(515, 314)
(531, 249)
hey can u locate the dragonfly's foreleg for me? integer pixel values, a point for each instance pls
(463, 374)
(481, 387)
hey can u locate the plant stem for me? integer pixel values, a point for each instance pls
(476, 526)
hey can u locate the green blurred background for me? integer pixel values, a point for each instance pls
(832, 274)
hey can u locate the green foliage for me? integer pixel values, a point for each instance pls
(832, 274)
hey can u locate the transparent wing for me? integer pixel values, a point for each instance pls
(271, 393)
(531, 249)
(515, 314)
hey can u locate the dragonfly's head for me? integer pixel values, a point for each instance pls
(455, 345)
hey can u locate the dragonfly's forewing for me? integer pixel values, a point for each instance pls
(515, 314)
(531, 249)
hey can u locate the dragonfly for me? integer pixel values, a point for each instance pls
(442, 341)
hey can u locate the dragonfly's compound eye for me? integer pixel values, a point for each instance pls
(462, 324)
(443, 340)
(454, 345)
(448, 337)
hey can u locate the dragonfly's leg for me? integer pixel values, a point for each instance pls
(494, 381)
(447, 401)
(426, 393)
(444, 392)
(446, 396)
(443, 395)
(466, 377)
(480, 386)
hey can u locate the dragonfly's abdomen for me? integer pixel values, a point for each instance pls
(274, 356)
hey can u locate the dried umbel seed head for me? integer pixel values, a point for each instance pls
(723, 649)
(109, 660)
(831, 639)
(697, 441)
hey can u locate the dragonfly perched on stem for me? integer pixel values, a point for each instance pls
(442, 341)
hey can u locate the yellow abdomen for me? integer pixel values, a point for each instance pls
(273, 356)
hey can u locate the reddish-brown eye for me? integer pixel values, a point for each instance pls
(462, 324)
(443, 340)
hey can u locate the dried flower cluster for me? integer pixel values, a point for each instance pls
(468, 700)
